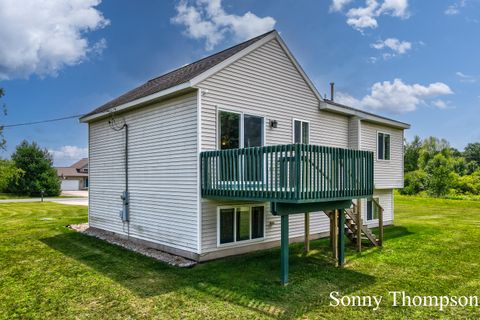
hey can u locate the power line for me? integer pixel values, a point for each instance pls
(42, 121)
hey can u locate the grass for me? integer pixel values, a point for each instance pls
(48, 271)
(6, 196)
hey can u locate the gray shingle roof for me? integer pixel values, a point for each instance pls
(80, 164)
(176, 77)
(69, 172)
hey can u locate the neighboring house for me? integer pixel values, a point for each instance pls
(74, 177)
(212, 145)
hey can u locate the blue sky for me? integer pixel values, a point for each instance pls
(415, 61)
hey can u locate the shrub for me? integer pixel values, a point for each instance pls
(415, 182)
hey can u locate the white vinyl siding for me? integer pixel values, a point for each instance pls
(354, 134)
(385, 198)
(162, 174)
(388, 173)
(266, 83)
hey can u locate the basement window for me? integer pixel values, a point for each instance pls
(372, 210)
(383, 146)
(240, 224)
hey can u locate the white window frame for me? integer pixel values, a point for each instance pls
(366, 209)
(293, 129)
(242, 142)
(242, 123)
(236, 243)
(376, 146)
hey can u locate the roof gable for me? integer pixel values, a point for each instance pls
(80, 164)
(178, 76)
(190, 75)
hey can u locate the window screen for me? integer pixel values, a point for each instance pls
(243, 223)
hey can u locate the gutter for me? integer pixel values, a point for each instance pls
(141, 101)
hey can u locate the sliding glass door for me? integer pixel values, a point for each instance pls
(237, 130)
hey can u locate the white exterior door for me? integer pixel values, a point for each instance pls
(70, 185)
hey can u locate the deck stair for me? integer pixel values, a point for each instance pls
(351, 229)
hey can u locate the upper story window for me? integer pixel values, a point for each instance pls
(383, 146)
(238, 130)
(301, 132)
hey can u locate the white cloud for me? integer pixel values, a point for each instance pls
(454, 9)
(208, 20)
(396, 8)
(440, 104)
(67, 155)
(365, 17)
(399, 47)
(466, 78)
(42, 37)
(338, 5)
(397, 96)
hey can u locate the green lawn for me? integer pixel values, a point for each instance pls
(11, 196)
(48, 271)
(5, 196)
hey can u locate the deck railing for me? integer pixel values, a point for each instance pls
(287, 173)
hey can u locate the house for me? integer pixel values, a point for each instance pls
(239, 152)
(74, 177)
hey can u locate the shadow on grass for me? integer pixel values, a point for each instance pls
(392, 232)
(250, 281)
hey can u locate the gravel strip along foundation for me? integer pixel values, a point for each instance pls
(147, 251)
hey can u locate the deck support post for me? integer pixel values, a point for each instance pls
(306, 246)
(359, 224)
(333, 234)
(380, 227)
(284, 250)
(341, 238)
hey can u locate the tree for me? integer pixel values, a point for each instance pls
(39, 173)
(9, 173)
(412, 153)
(440, 175)
(415, 182)
(431, 146)
(472, 152)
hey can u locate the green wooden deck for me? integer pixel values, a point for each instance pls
(293, 173)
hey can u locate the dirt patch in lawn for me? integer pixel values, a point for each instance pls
(110, 237)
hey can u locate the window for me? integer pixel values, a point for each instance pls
(238, 130)
(383, 146)
(229, 130)
(240, 224)
(252, 131)
(372, 210)
(301, 132)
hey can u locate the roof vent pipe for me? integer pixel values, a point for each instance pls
(332, 90)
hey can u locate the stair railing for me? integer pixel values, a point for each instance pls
(380, 221)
